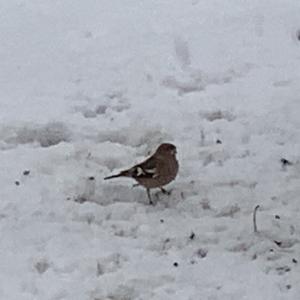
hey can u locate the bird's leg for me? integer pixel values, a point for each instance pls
(165, 191)
(149, 197)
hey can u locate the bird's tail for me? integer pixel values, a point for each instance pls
(121, 174)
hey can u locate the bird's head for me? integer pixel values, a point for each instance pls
(166, 149)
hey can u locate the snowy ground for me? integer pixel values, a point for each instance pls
(89, 87)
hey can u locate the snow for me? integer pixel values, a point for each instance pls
(90, 87)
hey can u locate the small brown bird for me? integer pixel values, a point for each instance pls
(155, 172)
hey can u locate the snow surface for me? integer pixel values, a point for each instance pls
(90, 87)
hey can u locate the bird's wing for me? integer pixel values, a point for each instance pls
(146, 169)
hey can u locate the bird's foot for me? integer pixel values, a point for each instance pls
(165, 191)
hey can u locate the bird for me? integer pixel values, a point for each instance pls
(156, 171)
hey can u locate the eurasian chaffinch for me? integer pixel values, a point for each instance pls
(155, 172)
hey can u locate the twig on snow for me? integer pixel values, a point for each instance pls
(254, 217)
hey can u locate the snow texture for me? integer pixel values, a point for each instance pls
(90, 87)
